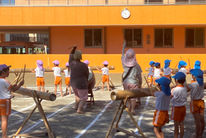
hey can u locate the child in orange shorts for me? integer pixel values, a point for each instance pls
(67, 73)
(151, 73)
(57, 75)
(179, 100)
(167, 70)
(161, 115)
(5, 97)
(40, 76)
(197, 104)
(105, 75)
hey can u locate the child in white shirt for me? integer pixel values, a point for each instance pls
(151, 73)
(57, 76)
(105, 75)
(40, 76)
(67, 73)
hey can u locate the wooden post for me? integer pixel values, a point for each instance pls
(123, 107)
(37, 100)
(41, 111)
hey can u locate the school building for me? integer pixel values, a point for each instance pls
(100, 26)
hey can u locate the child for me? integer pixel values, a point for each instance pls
(151, 73)
(197, 104)
(5, 97)
(162, 106)
(157, 71)
(40, 76)
(197, 64)
(167, 70)
(67, 73)
(182, 67)
(57, 75)
(105, 75)
(179, 99)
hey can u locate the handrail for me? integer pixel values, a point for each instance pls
(96, 2)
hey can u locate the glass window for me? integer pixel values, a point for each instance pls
(133, 37)
(24, 42)
(153, 1)
(7, 2)
(195, 37)
(93, 37)
(164, 38)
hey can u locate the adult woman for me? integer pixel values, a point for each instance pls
(132, 78)
(79, 79)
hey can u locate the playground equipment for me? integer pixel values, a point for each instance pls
(124, 96)
(37, 97)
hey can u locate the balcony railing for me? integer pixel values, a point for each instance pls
(95, 2)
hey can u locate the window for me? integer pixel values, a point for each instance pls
(153, 1)
(133, 37)
(93, 37)
(163, 38)
(195, 37)
(21, 42)
(7, 2)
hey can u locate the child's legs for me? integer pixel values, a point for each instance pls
(181, 129)
(42, 88)
(176, 129)
(55, 89)
(197, 123)
(158, 132)
(4, 123)
(60, 88)
(108, 86)
(202, 123)
(39, 88)
(70, 90)
(102, 85)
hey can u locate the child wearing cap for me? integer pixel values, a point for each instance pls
(57, 76)
(197, 64)
(67, 73)
(182, 67)
(105, 75)
(167, 70)
(179, 100)
(157, 71)
(5, 97)
(161, 115)
(197, 104)
(151, 73)
(40, 76)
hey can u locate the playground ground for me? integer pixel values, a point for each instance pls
(66, 123)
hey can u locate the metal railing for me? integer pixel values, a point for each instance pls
(95, 2)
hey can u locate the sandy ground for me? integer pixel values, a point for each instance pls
(66, 123)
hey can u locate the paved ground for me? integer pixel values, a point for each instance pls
(66, 123)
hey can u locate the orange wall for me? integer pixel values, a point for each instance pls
(18, 61)
(64, 37)
(102, 15)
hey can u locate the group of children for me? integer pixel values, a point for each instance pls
(178, 97)
(57, 75)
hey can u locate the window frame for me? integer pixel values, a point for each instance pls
(172, 46)
(195, 28)
(102, 38)
(137, 46)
